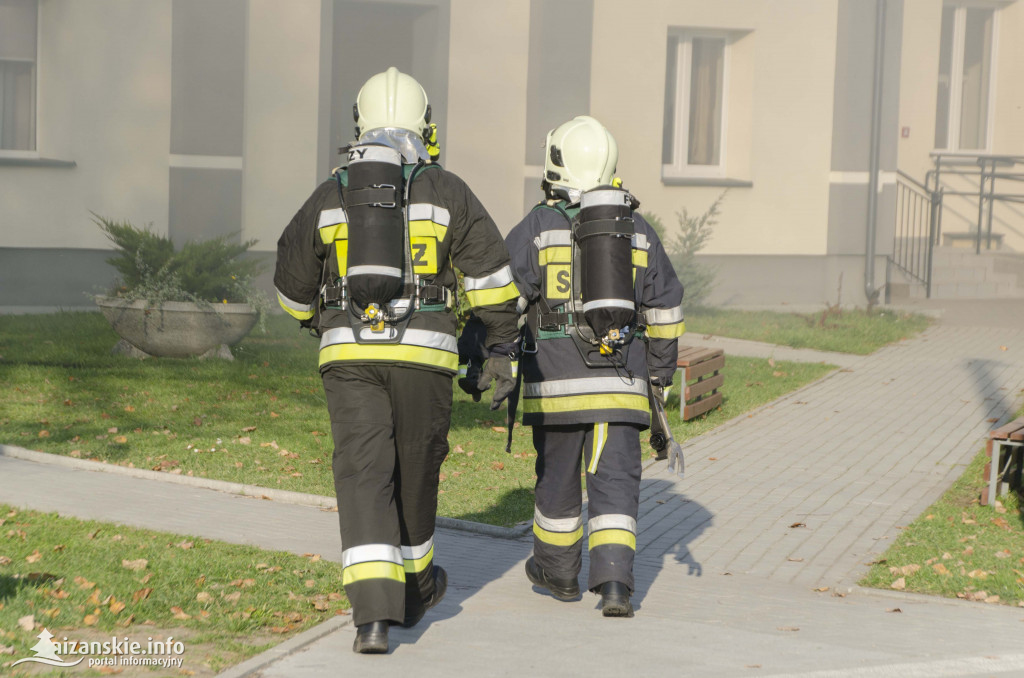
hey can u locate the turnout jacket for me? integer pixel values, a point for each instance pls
(448, 228)
(558, 385)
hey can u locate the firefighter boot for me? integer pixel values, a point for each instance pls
(371, 638)
(615, 600)
(412, 617)
(563, 589)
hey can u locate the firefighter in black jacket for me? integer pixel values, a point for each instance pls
(367, 263)
(592, 274)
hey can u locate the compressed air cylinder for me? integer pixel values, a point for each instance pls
(604, 235)
(376, 225)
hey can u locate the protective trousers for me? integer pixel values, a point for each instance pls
(611, 453)
(390, 428)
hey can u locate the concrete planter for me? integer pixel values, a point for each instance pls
(177, 329)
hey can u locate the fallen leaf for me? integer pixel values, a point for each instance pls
(498, 466)
(310, 583)
(141, 594)
(895, 609)
(35, 556)
(178, 613)
(203, 597)
(27, 623)
(499, 429)
(91, 619)
(248, 429)
(821, 589)
(1001, 522)
(1002, 348)
(44, 434)
(899, 584)
(320, 605)
(787, 628)
(4, 560)
(978, 574)
(116, 605)
(794, 525)
(941, 569)
(121, 439)
(186, 545)
(139, 564)
(795, 560)
(84, 583)
(233, 597)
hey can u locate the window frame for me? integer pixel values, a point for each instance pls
(680, 168)
(954, 113)
(32, 154)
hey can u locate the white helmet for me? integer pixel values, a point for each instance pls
(580, 154)
(392, 99)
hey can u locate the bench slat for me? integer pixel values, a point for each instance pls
(1013, 430)
(701, 406)
(703, 386)
(706, 367)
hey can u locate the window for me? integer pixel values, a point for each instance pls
(693, 141)
(18, 19)
(965, 74)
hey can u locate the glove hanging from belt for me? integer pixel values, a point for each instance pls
(501, 368)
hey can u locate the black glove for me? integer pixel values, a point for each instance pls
(499, 369)
(468, 383)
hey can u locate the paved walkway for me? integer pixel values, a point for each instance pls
(725, 582)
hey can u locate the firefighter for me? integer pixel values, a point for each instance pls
(592, 274)
(367, 264)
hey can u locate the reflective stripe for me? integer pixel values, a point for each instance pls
(422, 211)
(294, 308)
(600, 438)
(522, 305)
(594, 198)
(423, 347)
(612, 521)
(640, 258)
(607, 401)
(332, 217)
(389, 271)
(515, 369)
(558, 538)
(557, 524)
(369, 553)
(621, 537)
(554, 255)
(413, 337)
(562, 387)
(418, 558)
(463, 369)
(640, 241)
(493, 296)
(500, 278)
(666, 331)
(375, 153)
(553, 237)
(376, 570)
(664, 316)
(608, 303)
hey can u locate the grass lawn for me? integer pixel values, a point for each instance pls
(89, 581)
(848, 331)
(262, 419)
(960, 548)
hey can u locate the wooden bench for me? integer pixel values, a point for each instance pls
(1005, 449)
(702, 375)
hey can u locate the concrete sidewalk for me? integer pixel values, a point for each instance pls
(726, 585)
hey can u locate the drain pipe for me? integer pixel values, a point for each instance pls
(873, 155)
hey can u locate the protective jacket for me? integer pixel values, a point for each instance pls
(559, 387)
(448, 227)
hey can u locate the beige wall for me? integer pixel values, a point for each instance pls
(487, 102)
(110, 113)
(780, 102)
(919, 68)
(1009, 89)
(282, 89)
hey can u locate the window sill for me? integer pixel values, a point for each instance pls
(35, 162)
(707, 181)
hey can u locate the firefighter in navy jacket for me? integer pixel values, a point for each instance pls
(591, 273)
(367, 262)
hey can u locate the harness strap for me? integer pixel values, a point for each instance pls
(384, 195)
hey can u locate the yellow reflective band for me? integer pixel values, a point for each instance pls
(620, 537)
(604, 401)
(558, 538)
(419, 564)
(666, 331)
(600, 438)
(298, 315)
(493, 296)
(640, 258)
(515, 368)
(554, 255)
(372, 570)
(424, 228)
(341, 246)
(390, 352)
(329, 234)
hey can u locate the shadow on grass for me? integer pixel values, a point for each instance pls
(11, 584)
(517, 502)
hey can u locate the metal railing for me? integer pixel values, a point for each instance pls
(986, 168)
(918, 215)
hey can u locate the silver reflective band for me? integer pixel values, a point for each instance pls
(422, 211)
(604, 197)
(553, 238)
(409, 144)
(640, 242)
(556, 524)
(369, 553)
(332, 217)
(294, 305)
(463, 369)
(389, 271)
(418, 551)
(612, 521)
(374, 153)
(521, 305)
(607, 303)
(664, 316)
(564, 387)
(499, 278)
(426, 338)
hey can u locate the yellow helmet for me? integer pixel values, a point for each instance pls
(580, 155)
(392, 99)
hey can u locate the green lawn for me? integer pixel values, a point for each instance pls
(848, 331)
(262, 419)
(86, 580)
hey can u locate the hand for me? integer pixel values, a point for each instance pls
(468, 383)
(498, 369)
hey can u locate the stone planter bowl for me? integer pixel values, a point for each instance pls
(177, 329)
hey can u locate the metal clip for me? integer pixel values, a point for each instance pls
(388, 205)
